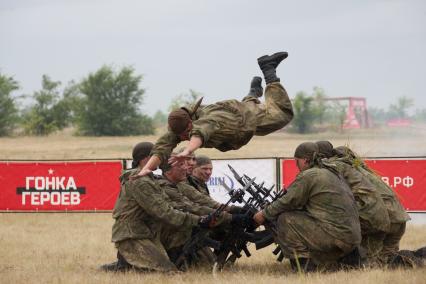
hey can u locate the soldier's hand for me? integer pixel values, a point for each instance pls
(242, 220)
(259, 218)
(181, 157)
(142, 173)
(207, 221)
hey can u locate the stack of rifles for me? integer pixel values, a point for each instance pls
(229, 244)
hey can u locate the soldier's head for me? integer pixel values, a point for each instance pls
(176, 173)
(305, 154)
(189, 162)
(203, 168)
(140, 154)
(344, 151)
(180, 123)
(325, 148)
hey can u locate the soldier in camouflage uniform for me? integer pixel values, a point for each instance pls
(142, 212)
(227, 125)
(388, 247)
(317, 221)
(201, 174)
(193, 189)
(174, 238)
(373, 214)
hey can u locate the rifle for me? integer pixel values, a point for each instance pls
(200, 238)
(236, 241)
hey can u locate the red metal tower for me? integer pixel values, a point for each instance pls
(356, 114)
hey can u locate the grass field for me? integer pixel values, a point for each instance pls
(68, 248)
(370, 142)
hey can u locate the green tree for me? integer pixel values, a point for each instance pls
(159, 119)
(184, 99)
(378, 115)
(110, 104)
(420, 115)
(399, 110)
(339, 111)
(8, 109)
(303, 112)
(49, 113)
(319, 106)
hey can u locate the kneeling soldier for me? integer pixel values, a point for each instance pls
(317, 220)
(141, 211)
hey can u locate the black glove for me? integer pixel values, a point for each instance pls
(241, 220)
(233, 209)
(206, 221)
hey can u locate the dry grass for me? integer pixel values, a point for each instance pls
(371, 142)
(68, 248)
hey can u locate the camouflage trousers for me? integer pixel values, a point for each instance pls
(146, 254)
(381, 246)
(173, 240)
(275, 113)
(299, 235)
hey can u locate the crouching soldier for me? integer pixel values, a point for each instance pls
(201, 174)
(317, 221)
(174, 238)
(388, 251)
(141, 211)
(373, 214)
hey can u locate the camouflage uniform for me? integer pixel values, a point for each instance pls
(373, 215)
(317, 218)
(194, 195)
(178, 199)
(198, 185)
(230, 124)
(397, 215)
(139, 212)
(173, 238)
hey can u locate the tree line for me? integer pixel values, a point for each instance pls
(107, 103)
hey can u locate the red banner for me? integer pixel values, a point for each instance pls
(51, 186)
(406, 177)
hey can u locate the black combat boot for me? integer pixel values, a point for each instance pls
(354, 259)
(268, 65)
(121, 265)
(405, 259)
(421, 253)
(256, 89)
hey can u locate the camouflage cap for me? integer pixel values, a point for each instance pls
(202, 160)
(140, 152)
(325, 148)
(343, 151)
(178, 120)
(306, 150)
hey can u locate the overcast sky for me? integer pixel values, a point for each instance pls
(374, 49)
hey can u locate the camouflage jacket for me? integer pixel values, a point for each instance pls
(326, 198)
(194, 195)
(180, 201)
(198, 185)
(226, 125)
(141, 206)
(396, 211)
(371, 208)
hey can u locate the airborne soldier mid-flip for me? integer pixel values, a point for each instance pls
(230, 124)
